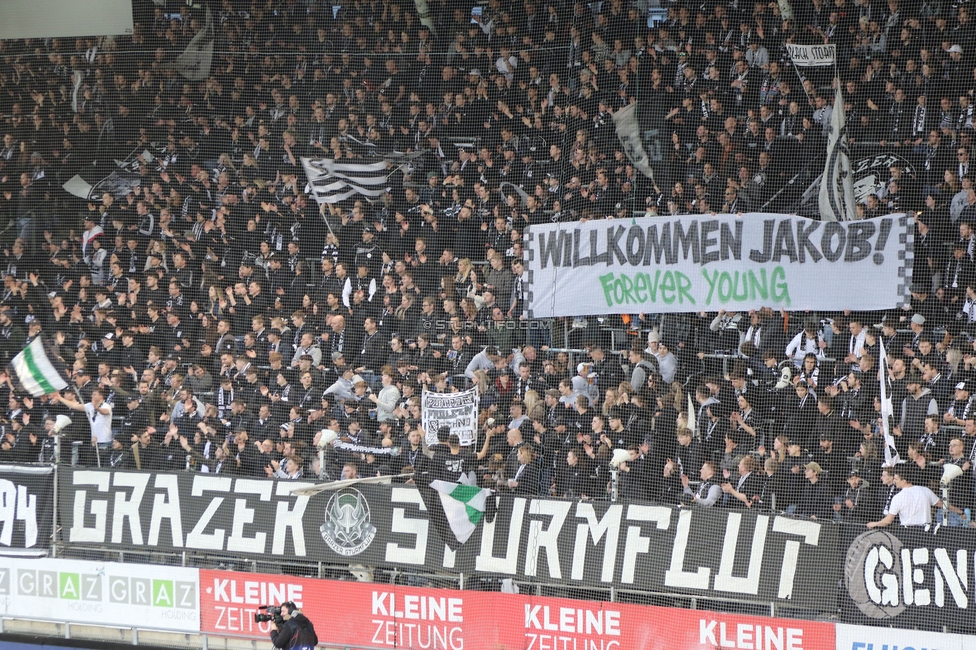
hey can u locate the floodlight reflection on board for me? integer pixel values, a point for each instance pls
(64, 18)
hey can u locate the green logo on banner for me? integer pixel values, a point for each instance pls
(69, 586)
(162, 593)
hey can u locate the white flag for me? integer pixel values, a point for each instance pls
(837, 184)
(76, 78)
(195, 61)
(628, 132)
(887, 409)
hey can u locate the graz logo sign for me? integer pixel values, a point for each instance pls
(347, 528)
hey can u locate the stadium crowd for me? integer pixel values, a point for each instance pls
(216, 318)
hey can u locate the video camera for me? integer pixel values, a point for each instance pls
(271, 613)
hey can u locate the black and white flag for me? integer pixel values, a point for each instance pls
(332, 182)
(837, 185)
(887, 408)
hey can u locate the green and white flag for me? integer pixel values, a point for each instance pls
(38, 370)
(464, 508)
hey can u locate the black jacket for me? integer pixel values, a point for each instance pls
(817, 501)
(528, 481)
(297, 632)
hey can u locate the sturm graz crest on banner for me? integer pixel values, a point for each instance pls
(870, 171)
(347, 529)
(871, 557)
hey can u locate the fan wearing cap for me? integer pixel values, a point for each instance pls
(620, 435)
(816, 499)
(667, 362)
(959, 273)
(917, 325)
(832, 459)
(961, 407)
(857, 504)
(584, 383)
(108, 351)
(934, 442)
(955, 68)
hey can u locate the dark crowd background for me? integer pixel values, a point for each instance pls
(218, 319)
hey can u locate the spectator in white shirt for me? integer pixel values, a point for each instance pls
(912, 505)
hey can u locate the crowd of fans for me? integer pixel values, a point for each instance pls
(215, 318)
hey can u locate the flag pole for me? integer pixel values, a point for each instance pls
(312, 490)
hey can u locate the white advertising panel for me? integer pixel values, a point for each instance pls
(64, 18)
(862, 637)
(101, 593)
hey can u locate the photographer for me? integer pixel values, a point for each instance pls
(293, 630)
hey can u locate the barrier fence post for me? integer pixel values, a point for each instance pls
(54, 506)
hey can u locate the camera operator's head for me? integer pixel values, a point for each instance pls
(288, 610)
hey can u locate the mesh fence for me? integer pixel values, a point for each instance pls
(286, 240)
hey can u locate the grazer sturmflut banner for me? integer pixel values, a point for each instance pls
(746, 556)
(709, 262)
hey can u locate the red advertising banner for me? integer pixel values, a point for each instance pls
(384, 616)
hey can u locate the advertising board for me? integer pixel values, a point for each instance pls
(388, 616)
(101, 593)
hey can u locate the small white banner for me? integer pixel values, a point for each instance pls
(456, 410)
(811, 56)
